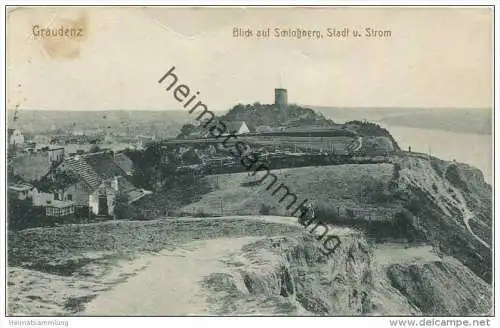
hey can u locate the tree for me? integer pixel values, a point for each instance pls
(94, 149)
(187, 129)
(125, 211)
(21, 213)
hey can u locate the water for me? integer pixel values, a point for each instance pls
(472, 149)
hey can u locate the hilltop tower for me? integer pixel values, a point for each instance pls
(281, 101)
(280, 98)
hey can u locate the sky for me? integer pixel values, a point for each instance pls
(435, 57)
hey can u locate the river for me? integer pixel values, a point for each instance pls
(473, 149)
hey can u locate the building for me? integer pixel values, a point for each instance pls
(238, 127)
(142, 142)
(41, 139)
(15, 137)
(41, 197)
(280, 98)
(55, 155)
(94, 180)
(21, 191)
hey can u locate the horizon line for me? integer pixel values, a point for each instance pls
(220, 110)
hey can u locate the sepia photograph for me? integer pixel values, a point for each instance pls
(249, 161)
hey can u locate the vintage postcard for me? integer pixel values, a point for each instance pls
(250, 161)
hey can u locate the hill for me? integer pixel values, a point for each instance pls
(294, 120)
(270, 115)
(445, 204)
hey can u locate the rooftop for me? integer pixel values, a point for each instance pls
(20, 187)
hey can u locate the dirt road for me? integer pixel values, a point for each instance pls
(170, 285)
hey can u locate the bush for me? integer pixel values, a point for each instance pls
(200, 213)
(251, 183)
(375, 191)
(396, 173)
(84, 212)
(264, 209)
(331, 215)
(128, 212)
(21, 214)
(94, 149)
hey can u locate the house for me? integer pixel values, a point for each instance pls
(66, 139)
(15, 137)
(95, 138)
(55, 155)
(94, 181)
(41, 197)
(21, 191)
(142, 142)
(211, 150)
(52, 207)
(238, 127)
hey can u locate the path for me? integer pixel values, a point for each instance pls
(170, 285)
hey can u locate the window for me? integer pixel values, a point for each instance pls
(70, 197)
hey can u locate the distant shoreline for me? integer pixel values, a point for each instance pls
(480, 133)
(476, 121)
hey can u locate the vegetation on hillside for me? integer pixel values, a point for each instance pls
(369, 129)
(269, 114)
(258, 114)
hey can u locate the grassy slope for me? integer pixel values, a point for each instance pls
(329, 187)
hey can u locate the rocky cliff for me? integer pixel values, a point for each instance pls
(451, 206)
(289, 276)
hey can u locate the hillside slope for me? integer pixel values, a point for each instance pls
(445, 204)
(451, 205)
(334, 189)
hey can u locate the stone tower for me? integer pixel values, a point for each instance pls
(280, 98)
